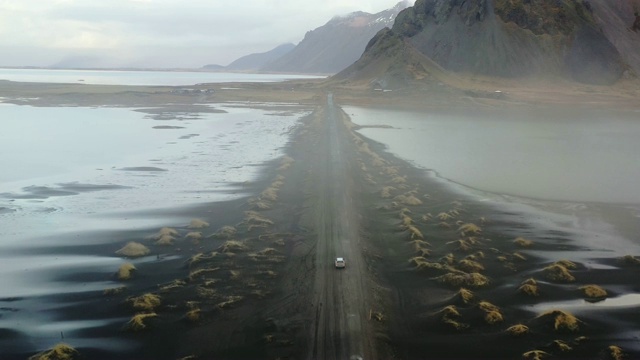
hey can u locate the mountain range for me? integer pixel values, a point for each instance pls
(325, 50)
(255, 62)
(588, 41)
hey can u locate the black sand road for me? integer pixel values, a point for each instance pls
(340, 296)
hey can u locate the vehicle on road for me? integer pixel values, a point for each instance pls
(340, 263)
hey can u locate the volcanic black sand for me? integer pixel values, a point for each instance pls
(431, 272)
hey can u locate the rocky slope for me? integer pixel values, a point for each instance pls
(586, 41)
(335, 45)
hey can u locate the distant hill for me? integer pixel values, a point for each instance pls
(213, 67)
(587, 41)
(258, 60)
(335, 45)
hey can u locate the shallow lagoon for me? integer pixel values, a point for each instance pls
(70, 167)
(588, 157)
(73, 172)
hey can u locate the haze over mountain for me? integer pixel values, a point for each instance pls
(337, 44)
(586, 41)
(256, 61)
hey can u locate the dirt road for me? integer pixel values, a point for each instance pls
(340, 299)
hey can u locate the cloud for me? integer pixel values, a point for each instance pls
(171, 33)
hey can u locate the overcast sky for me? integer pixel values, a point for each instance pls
(158, 33)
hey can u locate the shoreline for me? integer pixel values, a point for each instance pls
(269, 319)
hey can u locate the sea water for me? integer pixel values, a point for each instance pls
(582, 158)
(66, 169)
(149, 78)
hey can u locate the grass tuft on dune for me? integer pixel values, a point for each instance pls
(449, 259)
(269, 194)
(386, 191)
(492, 313)
(233, 246)
(193, 315)
(200, 257)
(138, 321)
(493, 317)
(175, 284)
(194, 236)
(535, 355)
(463, 279)
(487, 306)
(449, 311)
(593, 292)
(518, 256)
(443, 216)
(449, 316)
(146, 302)
(562, 346)
(414, 233)
(469, 228)
(470, 266)
(419, 249)
(225, 232)
(562, 320)
(410, 200)
(133, 249)
(616, 353)
(454, 324)
(464, 245)
(165, 231)
(529, 287)
(518, 330)
(557, 272)
(567, 264)
(421, 263)
(126, 271)
(465, 295)
(522, 242)
(198, 224)
(114, 291)
(255, 220)
(231, 301)
(60, 351)
(285, 163)
(165, 240)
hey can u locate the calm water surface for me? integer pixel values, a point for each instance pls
(590, 158)
(80, 169)
(114, 77)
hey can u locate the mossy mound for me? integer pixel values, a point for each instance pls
(146, 302)
(133, 249)
(139, 321)
(562, 321)
(125, 272)
(58, 352)
(593, 292)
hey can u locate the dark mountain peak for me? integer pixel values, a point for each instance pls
(516, 38)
